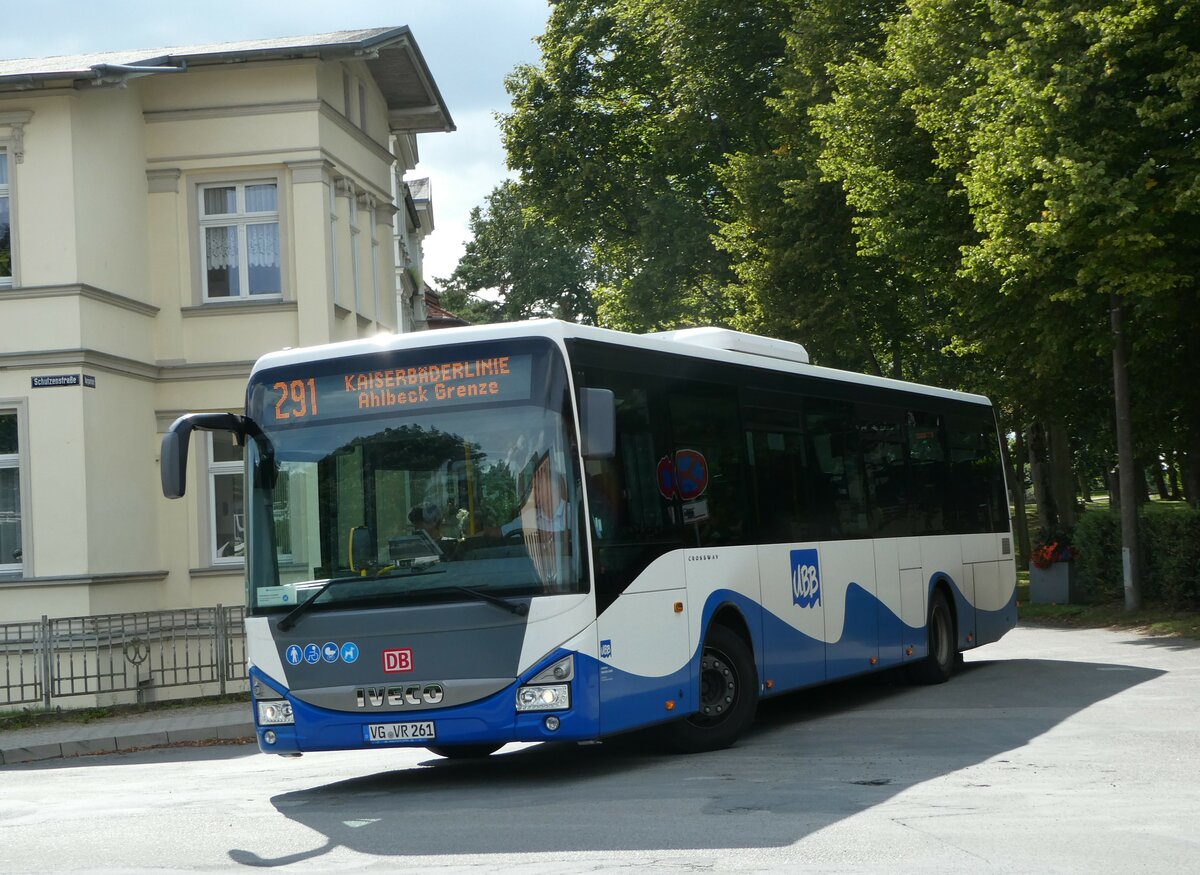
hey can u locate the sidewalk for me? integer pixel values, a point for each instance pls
(190, 724)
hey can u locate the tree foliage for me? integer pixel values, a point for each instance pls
(619, 132)
(951, 191)
(518, 266)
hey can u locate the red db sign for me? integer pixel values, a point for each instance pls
(397, 659)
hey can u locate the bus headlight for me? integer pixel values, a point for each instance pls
(545, 697)
(275, 713)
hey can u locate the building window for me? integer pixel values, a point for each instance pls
(239, 227)
(6, 272)
(362, 106)
(225, 484)
(346, 91)
(11, 558)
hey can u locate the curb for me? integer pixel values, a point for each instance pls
(40, 745)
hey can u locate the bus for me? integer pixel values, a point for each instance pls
(543, 531)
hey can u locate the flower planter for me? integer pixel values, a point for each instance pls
(1053, 585)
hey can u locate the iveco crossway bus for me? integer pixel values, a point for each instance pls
(543, 531)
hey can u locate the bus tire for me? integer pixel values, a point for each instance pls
(938, 666)
(728, 696)
(464, 751)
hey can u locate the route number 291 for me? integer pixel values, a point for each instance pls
(296, 399)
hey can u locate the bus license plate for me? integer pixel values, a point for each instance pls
(385, 732)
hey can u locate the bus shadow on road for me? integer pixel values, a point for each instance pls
(814, 758)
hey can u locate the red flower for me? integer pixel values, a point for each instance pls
(1045, 555)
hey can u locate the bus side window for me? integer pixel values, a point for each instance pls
(631, 521)
(835, 472)
(927, 469)
(704, 420)
(976, 482)
(884, 459)
(778, 459)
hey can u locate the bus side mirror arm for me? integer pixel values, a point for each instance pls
(172, 463)
(598, 422)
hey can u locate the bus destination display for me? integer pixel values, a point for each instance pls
(300, 397)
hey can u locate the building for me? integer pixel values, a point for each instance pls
(167, 216)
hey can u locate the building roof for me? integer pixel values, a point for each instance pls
(390, 53)
(437, 316)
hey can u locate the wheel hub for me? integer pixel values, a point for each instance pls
(718, 685)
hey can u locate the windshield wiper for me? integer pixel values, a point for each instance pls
(295, 613)
(518, 608)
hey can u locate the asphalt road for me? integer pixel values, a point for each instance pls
(1052, 751)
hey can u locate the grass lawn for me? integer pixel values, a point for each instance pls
(1149, 619)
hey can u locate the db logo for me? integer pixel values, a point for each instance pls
(397, 659)
(806, 578)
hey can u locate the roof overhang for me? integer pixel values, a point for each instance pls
(414, 103)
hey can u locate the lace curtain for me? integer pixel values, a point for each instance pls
(262, 238)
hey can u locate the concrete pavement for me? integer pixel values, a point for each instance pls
(199, 723)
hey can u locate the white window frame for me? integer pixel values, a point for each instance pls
(19, 462)
(362, 105)
(240, 219)
(214, 470)
(7, 282)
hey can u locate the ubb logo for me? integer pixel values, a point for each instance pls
(806, 578)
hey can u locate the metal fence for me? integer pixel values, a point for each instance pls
(64, 657)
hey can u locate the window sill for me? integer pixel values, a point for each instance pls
(17, 579)
(227, 308)
(238, 568)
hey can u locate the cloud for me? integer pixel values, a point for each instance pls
(463, 167)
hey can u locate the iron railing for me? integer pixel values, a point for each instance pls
(64, 657)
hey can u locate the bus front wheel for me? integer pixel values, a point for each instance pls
(937, 667)
(728, 695)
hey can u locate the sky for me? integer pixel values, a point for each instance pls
(469, 45)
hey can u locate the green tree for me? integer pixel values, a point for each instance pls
(618, 133)
(803, 255)
(1068, 130)
(518, 266)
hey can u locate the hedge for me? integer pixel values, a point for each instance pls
(1169, 541)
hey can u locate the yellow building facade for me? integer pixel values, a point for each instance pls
(165, 218)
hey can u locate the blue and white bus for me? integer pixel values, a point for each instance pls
(543, 531)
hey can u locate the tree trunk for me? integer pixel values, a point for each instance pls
(1173, 475)
(1062, 474)
(1190, 469)
(1129, 468)
(1160, 480)
(1039, 473)
(1016, 484)
(1141, 483)
(1085, 488)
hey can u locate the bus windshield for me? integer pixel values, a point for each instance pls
(413, 476)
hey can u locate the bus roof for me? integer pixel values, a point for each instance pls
(709, 343)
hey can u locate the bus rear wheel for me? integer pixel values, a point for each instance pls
(728, 696)
(464, 751)
(937, 667)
